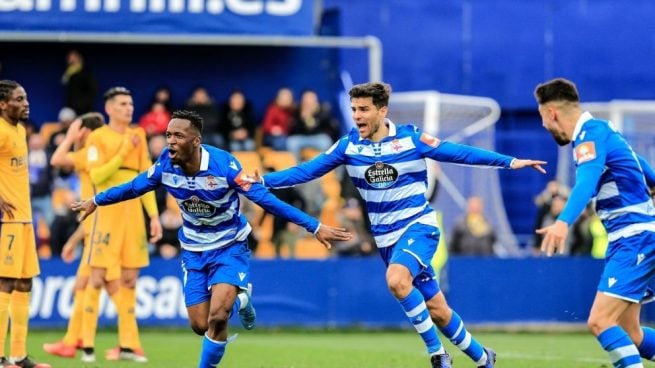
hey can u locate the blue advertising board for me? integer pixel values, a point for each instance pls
(231, 17)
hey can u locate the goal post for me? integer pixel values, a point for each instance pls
(459, 119)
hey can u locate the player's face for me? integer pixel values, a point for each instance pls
(367, 117)
(182, 140)
(120, 108)
(551, 123)
(16, 108)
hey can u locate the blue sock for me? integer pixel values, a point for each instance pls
(417, 312)
(460, 337)
(236, 306)
(647, 346)
(622, 352)
(212, 352)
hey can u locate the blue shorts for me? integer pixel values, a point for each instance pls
(629, 267)
(415, 250)
(228, 265)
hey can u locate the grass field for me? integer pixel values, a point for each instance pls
(320, 349)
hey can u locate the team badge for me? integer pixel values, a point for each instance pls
(92, 154)
(211, 182)
(585, 152)
(381, 175)
(430, 140)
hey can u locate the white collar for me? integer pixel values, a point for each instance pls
(204, 159)
(584, 117)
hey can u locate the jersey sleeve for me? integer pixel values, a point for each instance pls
(142, 184)
(649, 173)
(310, 170)
(443, 151)
(590, 156)
(236, 177)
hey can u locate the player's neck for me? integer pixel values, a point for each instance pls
(381, 133)
(192, 166)
(118, 126)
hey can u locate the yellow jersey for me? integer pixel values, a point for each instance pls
(14, 172)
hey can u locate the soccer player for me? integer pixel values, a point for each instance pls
(386, 162)
(77, 135)
(609, 171)
(18, 260)
(116, 154)
(206, 181)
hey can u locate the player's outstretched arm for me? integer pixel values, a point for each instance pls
(68, 251)
(535, 164)
(87, 207)
(327, 234)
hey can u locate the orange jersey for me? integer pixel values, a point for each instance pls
(105, 143)
(14, 174)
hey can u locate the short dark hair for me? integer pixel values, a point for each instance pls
(192, 116)
(116, 91)
(558, 89)
(92, 120)
(6, 87)
(380, 92)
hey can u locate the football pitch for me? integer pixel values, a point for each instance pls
(338, 349)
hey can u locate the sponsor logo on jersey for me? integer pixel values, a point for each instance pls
(242, 276)
(381, 175)
(640, 258)
(199, 208)
(611, 281)
(151, 170)
(585, 152)
(430, 140)
(233, 165)
(92, 154)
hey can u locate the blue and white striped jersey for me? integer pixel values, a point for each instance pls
(391, 175)
(609, 170)
(209, 200)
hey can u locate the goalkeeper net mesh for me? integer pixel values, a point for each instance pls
(460, 119)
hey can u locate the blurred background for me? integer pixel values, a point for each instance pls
(271, 77)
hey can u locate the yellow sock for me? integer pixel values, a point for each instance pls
(73, 332)
(90, 316)
(4, 320)
(116, 298)
(19, 311)
(128, 330)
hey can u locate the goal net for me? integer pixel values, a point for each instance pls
(460, 119)
(634, 119)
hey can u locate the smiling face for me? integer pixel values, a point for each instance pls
(183, 141)
(16, 108)
(368, 118)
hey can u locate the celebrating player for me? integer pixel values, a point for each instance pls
(609, 170)
(206, 182)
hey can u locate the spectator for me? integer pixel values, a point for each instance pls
(64, 118)
(164, 96)
(80, 84)
(312, 126)
(278, 119)
(582, 240)
(202, 103)
(543, 200)
(238, 123)
(169, 245)
(155, 121)
(64, 224)
(555, 207)
(473, 234)
(352, 219)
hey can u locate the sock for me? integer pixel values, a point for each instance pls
(19, 312)
(240, 301)
(417, 312)
(647, 346)
(90, 316)
(4, 320)
(622, 352)
(128, 330)
(460, 337)
(75, 322)
(212, 352)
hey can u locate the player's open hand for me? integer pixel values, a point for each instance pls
(86, 207)
(327, 234)
(554, 238)
(68, 251)
(535, 164)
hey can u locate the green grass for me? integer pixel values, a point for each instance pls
(321, 349)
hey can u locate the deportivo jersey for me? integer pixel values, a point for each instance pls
(390, 175)
(209, 200)
(609, 171)
(14, 175)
